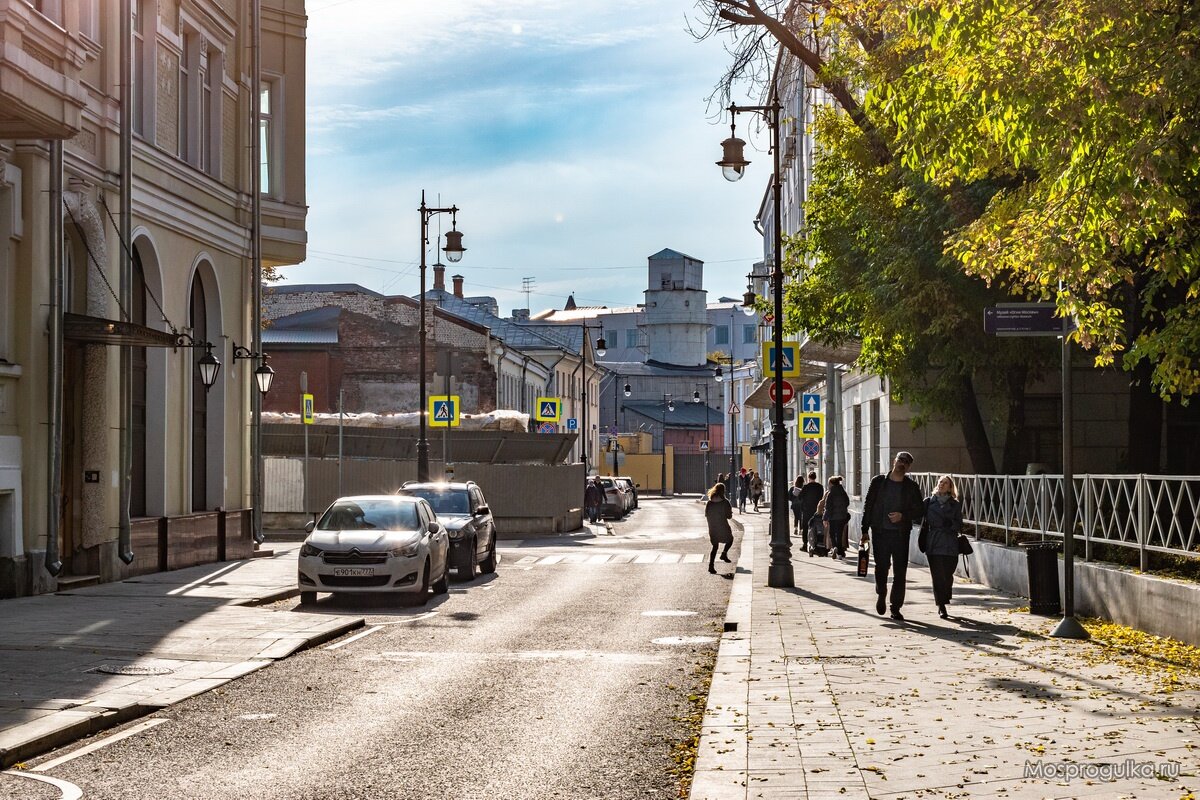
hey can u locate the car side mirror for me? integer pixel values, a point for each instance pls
(637, 486)
(308, 526)
(482, 510)
(432, 527)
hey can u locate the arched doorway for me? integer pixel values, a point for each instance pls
(198, 319)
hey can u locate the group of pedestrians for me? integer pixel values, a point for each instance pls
(821, 516)
(744, 486)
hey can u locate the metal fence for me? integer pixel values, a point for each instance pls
(1151, 513)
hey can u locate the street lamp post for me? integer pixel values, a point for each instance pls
(454, 253)
(668, 405)
(601, 351)
(733, 165)
(616, 423)
(696, 399)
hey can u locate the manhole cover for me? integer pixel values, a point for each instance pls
(131, 669)
(831, 659)
(684, 640)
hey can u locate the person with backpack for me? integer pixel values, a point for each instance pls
(893, 505)
(835, 513)
(804, 498)
(717, 513)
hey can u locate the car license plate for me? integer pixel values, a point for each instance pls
(353, 572)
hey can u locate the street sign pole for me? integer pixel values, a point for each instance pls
(1068, 627)
(304, 412)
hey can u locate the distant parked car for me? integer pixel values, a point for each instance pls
(630, 488)
(468, 519)
(374, 544)
(617, 501)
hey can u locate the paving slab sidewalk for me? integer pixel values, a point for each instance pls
(174, 635)
(816, 696)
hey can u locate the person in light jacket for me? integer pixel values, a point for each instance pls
(943, 513)
(718, 512)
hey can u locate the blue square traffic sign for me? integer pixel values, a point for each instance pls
(810, 403)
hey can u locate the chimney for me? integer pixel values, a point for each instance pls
(458, 279)
(520, 315)
(439, 277)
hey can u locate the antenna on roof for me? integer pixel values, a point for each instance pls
(527, 285)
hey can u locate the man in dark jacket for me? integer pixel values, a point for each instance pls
(593, 498)
(892, 506)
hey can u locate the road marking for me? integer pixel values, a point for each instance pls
(96, 745)
(69, 790)
(599, 559)
(668, 558)
(404, 620)
(526, 560)
(622, 558)
(646, 558)
(354, 638)
(668, 613)
(693, 558)
(257, 717)
(551, 559)
(683, 640)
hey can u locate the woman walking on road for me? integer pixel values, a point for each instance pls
(718, 512)
(943, 515)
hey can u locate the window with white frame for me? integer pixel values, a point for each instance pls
(268, 115)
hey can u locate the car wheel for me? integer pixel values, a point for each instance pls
(308, 598)
(422, 594)
(466, 565)
(488, 566)
(442, 585)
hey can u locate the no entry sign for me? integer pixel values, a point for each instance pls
(788, 392)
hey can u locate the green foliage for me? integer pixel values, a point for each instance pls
(1087, 110)
(872, 266)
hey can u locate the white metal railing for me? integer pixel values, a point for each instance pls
(1151, 513)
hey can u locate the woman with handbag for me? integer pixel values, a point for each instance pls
(939, 539)
(717, 513)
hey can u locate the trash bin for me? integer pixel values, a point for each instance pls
(1043, 577)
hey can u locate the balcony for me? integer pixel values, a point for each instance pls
(40, 93)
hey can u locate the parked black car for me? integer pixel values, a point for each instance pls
(463, 510)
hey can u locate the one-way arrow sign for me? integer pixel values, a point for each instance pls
(810, 403)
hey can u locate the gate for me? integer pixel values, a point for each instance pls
(696, 472)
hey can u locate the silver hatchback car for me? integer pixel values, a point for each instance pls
(375, 543)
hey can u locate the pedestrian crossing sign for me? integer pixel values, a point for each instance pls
(549, 409)
(307, 409)
(811, 426)
(789, 361)
(443, 411)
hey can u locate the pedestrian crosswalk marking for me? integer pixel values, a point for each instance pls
(609, 557)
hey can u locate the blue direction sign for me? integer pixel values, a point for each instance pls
(572, 424)
(810, 403)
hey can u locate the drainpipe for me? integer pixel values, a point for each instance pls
(256, 477)
(55, 360)
(124, 540)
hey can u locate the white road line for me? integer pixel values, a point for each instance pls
(405, 620)
(99, 743)
(69, 790)
(668, 558)
(600, 559)
(646, 558)
(354, 638)
(527, 560)
(551, 559)
(693, 558)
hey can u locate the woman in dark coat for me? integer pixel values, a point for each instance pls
(835, 511)
(718, 512)
(943, 513)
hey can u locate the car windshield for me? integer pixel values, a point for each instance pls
(444, 501)
(384, 514)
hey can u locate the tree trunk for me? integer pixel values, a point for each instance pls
(973, 430)
(1145, 422)
(1016, 440)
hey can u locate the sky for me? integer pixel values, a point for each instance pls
(575, 137)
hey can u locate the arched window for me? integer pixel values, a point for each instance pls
(199, 323)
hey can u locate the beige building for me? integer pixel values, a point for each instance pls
(191, 268)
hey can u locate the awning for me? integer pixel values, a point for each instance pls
(844, 353)
(112, 333)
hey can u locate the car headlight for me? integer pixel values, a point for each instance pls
(406, 551)
(307, 550)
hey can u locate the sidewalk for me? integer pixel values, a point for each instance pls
(167, 636)
(816, 696)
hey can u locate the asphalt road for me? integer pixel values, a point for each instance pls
(561, 676)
